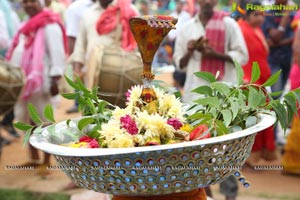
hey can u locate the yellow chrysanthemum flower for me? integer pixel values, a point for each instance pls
(187, 128)
(121, 141)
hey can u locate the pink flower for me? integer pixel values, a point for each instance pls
(129, 124)
(94, 143)
(175, 123)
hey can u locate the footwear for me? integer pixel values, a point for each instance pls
(11, 130)
(74, 109)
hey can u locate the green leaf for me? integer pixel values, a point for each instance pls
(253, 97)
(296, 93)
(221, 128)
(22, 126)
(255, 72)
(212, 101)
(34, 114)
(27, 136)
(101, 106)
(84, 122)
(105, 116)
(206, 90)
(83, 88)
(235, 106)
(273, 79)
(48, 112)
(94, 132)
(221, 87)
(95, 91)
(290, 100)
(209, 77)
(280, 113)
(71, 83)
(239, 72)
(199, 116)
(70, 96)
(276, 94)
(227, 116)
(262, 98)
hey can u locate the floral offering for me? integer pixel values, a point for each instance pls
(161, 121)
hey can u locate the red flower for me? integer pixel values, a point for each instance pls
(85, 139)
(197, 132)
(175, 123)
(92, 142)
(129, 124)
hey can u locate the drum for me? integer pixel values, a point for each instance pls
(115, 71)
(11, 84)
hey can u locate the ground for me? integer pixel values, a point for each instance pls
(265, 185)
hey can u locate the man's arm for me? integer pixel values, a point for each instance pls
(80, 48)
(277, 33)
(55, 48)
(211, 53)
(71, 44)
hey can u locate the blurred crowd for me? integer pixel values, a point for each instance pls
(45, 36)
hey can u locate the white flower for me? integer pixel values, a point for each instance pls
(135, 94)
(170, 106)
(119, 112)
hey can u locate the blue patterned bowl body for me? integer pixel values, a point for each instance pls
(153, 170)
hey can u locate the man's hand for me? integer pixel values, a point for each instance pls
(209, 52)
(191, 45)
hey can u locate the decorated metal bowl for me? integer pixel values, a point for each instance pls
(152, 170)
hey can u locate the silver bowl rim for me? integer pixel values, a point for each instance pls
(39, 141)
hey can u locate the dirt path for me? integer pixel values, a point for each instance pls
(265, 185)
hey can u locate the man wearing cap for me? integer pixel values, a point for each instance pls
(40, 48)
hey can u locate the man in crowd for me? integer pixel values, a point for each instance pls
(73, 16)
(40, 48)
(211, 42)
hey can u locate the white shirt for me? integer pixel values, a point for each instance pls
(235, 47)
(182, 17)
(73, 15)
